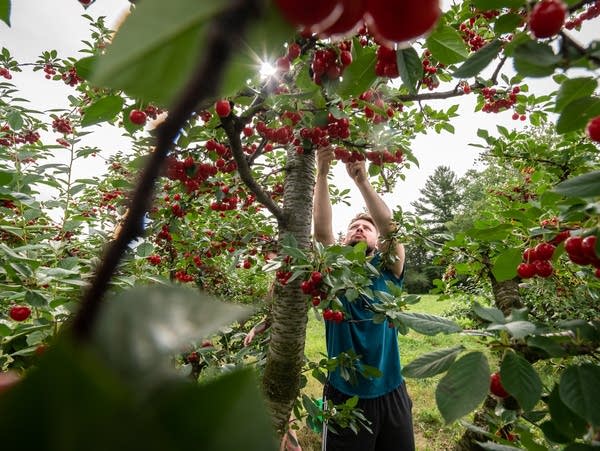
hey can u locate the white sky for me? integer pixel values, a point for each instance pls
(39, 25)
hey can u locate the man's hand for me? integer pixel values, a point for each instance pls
(324, 158)
(357, 171)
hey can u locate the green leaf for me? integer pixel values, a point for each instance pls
(265, 35)
(550, 345)
(144, 249)
(6, 177)
(517, 329)
(432, 363)
(496, 233)
(102, 110)
(580, 391)
(479, 60)
(464, 386)
(5, 11)
(427, 324)
(521, 380)
(409, 67)
(576, 114)
(214, 415)
(15, 120)
(446, 45)
(157, 49)
(563, 418)
(574, 88)
(85, 396)
(505, 265)
(535, 59)
(486, 5)
(85, 66)
(143, 324)
(586, 185)
(491, 314)
(36, 299)
(359, 76)
(507, 23)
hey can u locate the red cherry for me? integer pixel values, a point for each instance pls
(247, 264)
(560, 237)
(338, 317)
(346, 58)
(543, 268)
(223, 108)
(573, 245)
(137, 117)
(544, 251)
(315, 15)
(350, 19)
(20, 312)
(294, 51)
(306, 287)
(392, 22)
(316, 301)
(316, 277)
(328, 314)
(588, 247)
(193, 357)
(592, 129)
(529, 255)
(496, 386)
(547, 18)
(526, 270)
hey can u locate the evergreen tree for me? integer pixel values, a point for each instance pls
(439, 201)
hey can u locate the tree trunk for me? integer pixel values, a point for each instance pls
(285, 356)
(506, 294)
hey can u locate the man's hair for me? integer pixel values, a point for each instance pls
(364, 217)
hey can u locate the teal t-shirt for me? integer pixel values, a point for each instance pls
(376, 344)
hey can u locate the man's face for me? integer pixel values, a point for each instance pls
(362, 230)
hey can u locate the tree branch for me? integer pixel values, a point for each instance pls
(232, 127)
(223, 36)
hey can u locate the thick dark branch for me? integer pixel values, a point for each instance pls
(223, 37)
(233, 130)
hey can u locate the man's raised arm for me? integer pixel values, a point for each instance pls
(322, 216)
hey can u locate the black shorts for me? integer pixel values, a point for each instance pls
(391, 422)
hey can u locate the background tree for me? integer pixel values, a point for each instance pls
(439, 202)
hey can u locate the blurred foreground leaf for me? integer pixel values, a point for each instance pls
(140, 328)
(72, 402)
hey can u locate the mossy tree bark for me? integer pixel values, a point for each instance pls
(285, 356)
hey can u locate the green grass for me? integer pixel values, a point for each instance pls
(430, 431)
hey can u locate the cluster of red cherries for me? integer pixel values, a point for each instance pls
(388, 22)
(580, 249)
